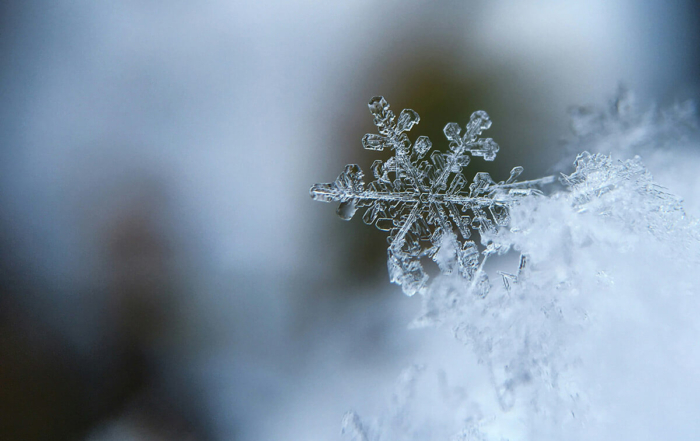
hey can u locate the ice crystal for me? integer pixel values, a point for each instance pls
(425, 204)
(625, 191)
(590, 252)
(606, 265)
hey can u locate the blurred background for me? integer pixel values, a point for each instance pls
(163, 271)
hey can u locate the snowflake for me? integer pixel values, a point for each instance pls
(425, 204)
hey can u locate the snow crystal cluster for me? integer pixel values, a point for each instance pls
(593, 335)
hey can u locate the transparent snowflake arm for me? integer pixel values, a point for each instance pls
(424, 202)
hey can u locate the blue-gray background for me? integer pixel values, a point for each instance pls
(165, 274)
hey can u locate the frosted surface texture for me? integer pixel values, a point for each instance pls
(424, 200)
(604, 265)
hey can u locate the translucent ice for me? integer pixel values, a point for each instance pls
(422, 201)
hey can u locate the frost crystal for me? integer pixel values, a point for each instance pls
(608, 276)
(425, 204)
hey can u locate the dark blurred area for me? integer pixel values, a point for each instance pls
(52, 388)
(163, 272)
